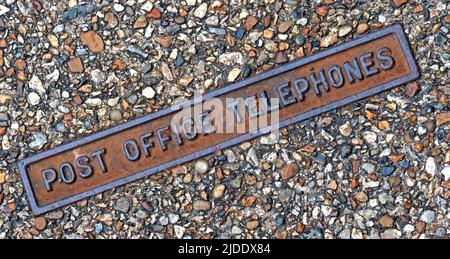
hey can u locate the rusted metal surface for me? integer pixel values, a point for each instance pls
(107, 159)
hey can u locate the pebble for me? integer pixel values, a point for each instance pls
(201, 10)
(122, 205)
(115, 115)
(201, 166)
(98, 76)
(387, 170)
(33, 98)
(430, 166)
(148, 92)
(300, 40)
(39, 141)
(290, 171)
(234, 74)
(285, 26)
(201, 205)
(346, 129)
(219, 191)
(232, 58)
(386, 221)
(75, 65)
(40, 223)
(344, 30)
(446, 173)
(428, 216)
(92, 41)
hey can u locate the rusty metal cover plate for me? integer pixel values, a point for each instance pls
(329, 79)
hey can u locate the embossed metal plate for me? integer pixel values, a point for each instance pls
(329, 79)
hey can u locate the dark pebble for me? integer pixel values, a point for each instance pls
(180, 60)
(247, 72)
(269, 200)
(37, 5)
(383, 160)
(404, 163)
(240, 33)
(281, 58)
(440, 134)
(346, 151)
(71, 14)
(279, 221)
(427, 110)
(180, 20)
(300, 40)
(387, 170)
(316, 43)
(440, 38)
(173, 29)
(320, 158)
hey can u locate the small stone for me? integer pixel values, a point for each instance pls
(411, 89)
(3, 9)
(219, 191)
(148, 92)
(122, 205)
(111, 20)
(387, 170)
(75, 65)
(361, 197)
(155, 13)
(233, 74)
(33, 98)
(285, 26)
(54, 42)
(2, 177)
(201, 10)
(93, 41)
(251, 225)
(442, 118)
(240, 33)
(391, 234)
(446, 173)
(300, 40)
(147, 6)
(399, 3)
(362, 28)
(281, 58)
(98, 76)
(179, 231)
(140, 23)
(346, 151)
(384, 125)
(386, 221)
(167, 73)
(40, 223)
(232, 58)
(329, 40)
(201, 205)
(201, 166)
(115, 115)
(36, 84)
(250, 22)
(248, 202)
(346, 129)
(344, 30)
(428, 216)
(430, 166)
(289, 171)
(370, 137)
(39, 141)
(165, 41)
(322, 11)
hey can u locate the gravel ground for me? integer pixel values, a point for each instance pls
(378, 168)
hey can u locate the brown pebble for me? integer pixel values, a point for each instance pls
(93, 41)
(250, 22)
(141, 22)
(442, 118)
(284, 27)
(386, 221)
(20, 64)
(281, 58)
(411, 89)
(362, 28)
(421, 226)
(75, 65)
(40, 223)
(165, 41)
(399, 3)
(289, 171)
